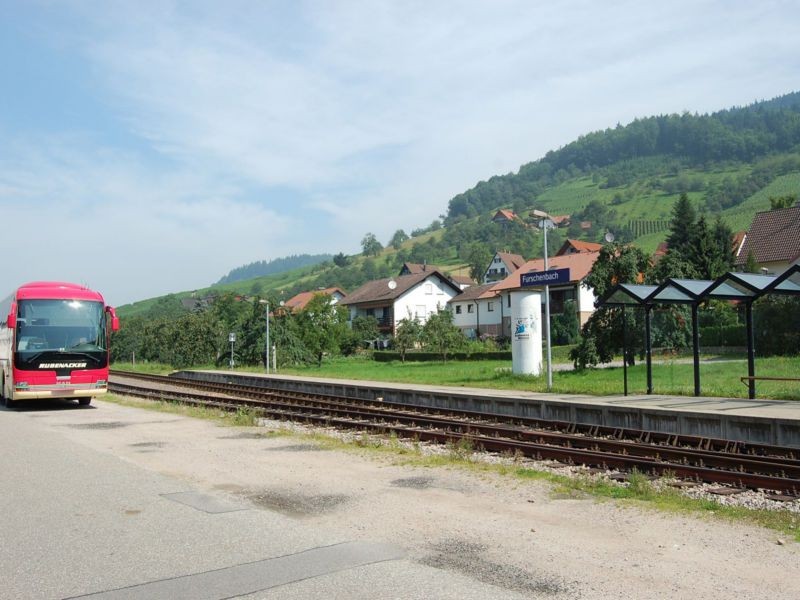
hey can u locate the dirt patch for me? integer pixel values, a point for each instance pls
(293, 504)
(246, 435)
(416, 483)
(148, 445)
(102, 425)
(296, 448)
(468, 559)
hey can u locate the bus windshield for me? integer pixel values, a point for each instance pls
(60, 326)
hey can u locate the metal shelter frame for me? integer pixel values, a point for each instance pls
(742, 287)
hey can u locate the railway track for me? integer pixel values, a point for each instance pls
(737, 464)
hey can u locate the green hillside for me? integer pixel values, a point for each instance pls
(623, 180)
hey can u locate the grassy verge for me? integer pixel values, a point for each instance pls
(639, 491)
(717, 377)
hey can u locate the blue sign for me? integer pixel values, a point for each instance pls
(553, 277)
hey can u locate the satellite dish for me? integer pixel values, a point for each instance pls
(392, 284)
(609, 237)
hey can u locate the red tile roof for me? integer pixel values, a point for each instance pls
(504, 215)
(299, 301)
(512, 261)
(579, 265)
(774, 236)
(572, 246)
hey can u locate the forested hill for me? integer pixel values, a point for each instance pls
(647, 146)
(279, 265)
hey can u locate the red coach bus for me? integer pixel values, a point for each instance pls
(54, 342)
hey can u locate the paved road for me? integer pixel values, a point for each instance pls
(80, 522)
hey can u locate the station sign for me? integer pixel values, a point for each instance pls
(552, 277)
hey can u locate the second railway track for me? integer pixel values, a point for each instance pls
(744, 465)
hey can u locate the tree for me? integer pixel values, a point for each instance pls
(601, 336)
(398, 238)
(440, 334)
(370, 245)
(477, 255)
(341, 260)
(407, 336)
(778, 202)
(682, 225)
(323, 325)
(751, 266)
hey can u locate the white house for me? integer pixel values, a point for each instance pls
(502, 265)
(478, 310)
(390, 300)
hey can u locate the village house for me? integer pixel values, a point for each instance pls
(774, 241)
(579, 265)
(408, 296)
(408, 268)
(478, 311)
(299, 301)
(502, 265)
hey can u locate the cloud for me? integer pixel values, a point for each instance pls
(246, 131)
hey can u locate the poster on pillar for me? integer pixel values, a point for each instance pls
(526, 337)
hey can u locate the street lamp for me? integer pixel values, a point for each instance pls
(232, 340)
(266, 343)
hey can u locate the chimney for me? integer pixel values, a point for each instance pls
(424, 265)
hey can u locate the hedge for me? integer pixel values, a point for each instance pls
(728, 335)
(389, 355)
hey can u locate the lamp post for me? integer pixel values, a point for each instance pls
(546, 224)
(232, 340)
(266, 343)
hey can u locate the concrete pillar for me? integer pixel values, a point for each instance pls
(526, 332)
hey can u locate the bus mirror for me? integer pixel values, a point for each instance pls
(114, 318)
(11, 321)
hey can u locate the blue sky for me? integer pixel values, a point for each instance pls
(150, 147)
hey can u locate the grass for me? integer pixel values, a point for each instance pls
(639, 491)
(670, 377)
(718, 378)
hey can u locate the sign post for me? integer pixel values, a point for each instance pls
(546, 278)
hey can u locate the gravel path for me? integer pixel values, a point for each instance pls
(499, 531)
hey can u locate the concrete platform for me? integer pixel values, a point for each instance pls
(761, 421)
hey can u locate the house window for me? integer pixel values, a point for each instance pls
(470, 307)
(508, 303)
(420, 312)
(490, 307)
(429, 288)
(458, 309)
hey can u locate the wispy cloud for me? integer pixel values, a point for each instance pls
(236, 132)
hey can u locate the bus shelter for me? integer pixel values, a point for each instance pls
(744, 288)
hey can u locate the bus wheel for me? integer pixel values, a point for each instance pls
(84, 401)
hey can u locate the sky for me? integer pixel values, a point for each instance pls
(149, 147)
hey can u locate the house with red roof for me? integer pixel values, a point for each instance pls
(298, 302)
(579, 264)
(502, 265)
(577, 246)
(773, 239)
